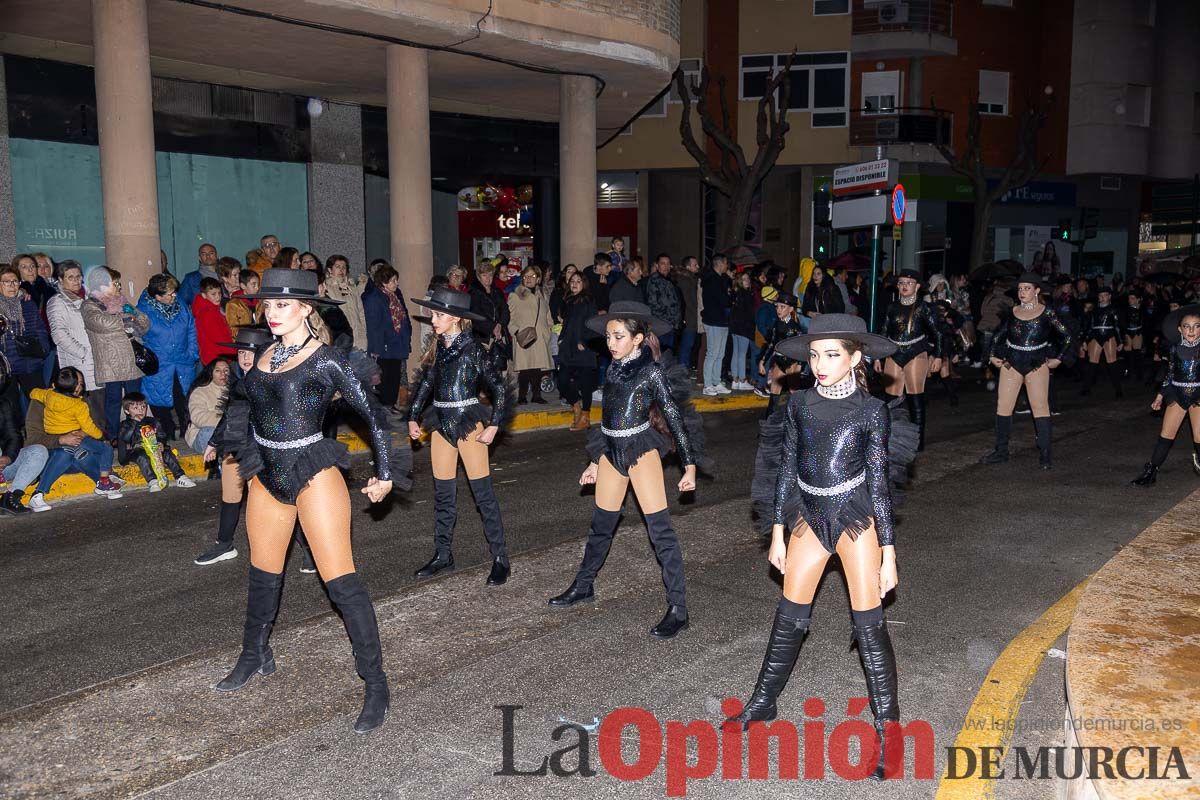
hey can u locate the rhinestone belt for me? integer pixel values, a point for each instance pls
(621, 433)
(294, 444)
(1027, 348)
(1186, 385)
(841, 488)
(907, 342)
(1104, 327)
(456, 403)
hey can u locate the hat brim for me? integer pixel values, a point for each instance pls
(1170, 325)
(323, 301)
(598, 324)
(454, 312)
(873, 345)
(242, 345)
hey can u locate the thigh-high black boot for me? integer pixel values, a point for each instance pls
(351, 599)
(670, 558)
(879, 667)
(1043, 426)
(1114, 375)
(599, 541)
(493, 528)
(445, 516)
(262, 604)
(1089, 376)
(999, 454)
(787, 634)
(1149, 475)
(916, 413)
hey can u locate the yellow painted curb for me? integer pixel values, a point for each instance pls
(79, 485)
(992, 717)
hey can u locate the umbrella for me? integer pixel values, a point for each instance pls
(851, 261)
(998, 269)
(743, 254)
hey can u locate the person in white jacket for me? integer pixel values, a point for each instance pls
(339, 286)
(69, 335)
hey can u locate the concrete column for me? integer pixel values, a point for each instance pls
(8, 230)
(126, 126)
(577, 168)
(335, 186)
(409, 181)
(643, 223)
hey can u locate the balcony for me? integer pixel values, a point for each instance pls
(903, 125)
(903, 28)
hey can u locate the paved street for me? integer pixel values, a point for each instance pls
(113, 638)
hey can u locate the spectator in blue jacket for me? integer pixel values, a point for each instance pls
(189, 287)
(19, 317)
(172, 337)
(389, 334)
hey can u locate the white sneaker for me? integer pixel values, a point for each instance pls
(37, 503)
(745, 386)
(722, 389)
(184, 482)
(157, 486)
(711, 391)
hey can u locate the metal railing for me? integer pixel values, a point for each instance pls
(900, 125)
(903, 16)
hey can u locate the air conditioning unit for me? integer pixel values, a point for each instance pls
(887, 129)
(893, 14)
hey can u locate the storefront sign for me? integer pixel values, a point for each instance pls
(510, 222)
(865, 177)
(1039, 193)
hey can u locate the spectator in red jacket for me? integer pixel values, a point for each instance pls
(212, 330)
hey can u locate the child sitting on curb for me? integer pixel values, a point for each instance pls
(65, 413)
(143, 442)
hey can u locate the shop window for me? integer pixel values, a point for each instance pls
(691, 74)
(993, 92)
(827, 7)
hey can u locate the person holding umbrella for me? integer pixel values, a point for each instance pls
(1179, 395)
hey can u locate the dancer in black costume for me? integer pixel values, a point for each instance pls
(914, 327)
(1102, 337)
(1133, 325)
(453, 370)
(1030, 341)
(644, 401)
(1179, 396)
(822, 481)
(292, 470)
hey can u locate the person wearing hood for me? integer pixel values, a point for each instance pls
(189, 287)
(172, 337)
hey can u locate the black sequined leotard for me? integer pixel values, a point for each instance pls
(1027, 344)
(626, 433)
(284, 445)
(1101, 324)
(1182, 384)
(915, 329)
(452, 382)
(830, 463)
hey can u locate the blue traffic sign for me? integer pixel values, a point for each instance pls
(898, 204)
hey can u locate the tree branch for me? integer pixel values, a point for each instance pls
(707, 173)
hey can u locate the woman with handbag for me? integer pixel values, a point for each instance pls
(529, 324)
(110, 329)
(26, 342)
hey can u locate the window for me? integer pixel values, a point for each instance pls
(880, 91)
(659, 109)
(824, 7)
(1137, 105)
(691, 74)
(817, 82)
(993, 92)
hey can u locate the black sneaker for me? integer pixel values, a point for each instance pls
(220, 551)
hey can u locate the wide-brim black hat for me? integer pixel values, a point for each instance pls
(249, 338)
(1034, 278)
(1170, 325)
(629, 309)
(292, 284)
(837, 326)
(785, 299)
(449, 301)
(909, 273)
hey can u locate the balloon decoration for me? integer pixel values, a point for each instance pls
(505, 199)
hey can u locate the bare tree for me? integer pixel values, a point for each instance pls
(730, 173)
(1024, 165)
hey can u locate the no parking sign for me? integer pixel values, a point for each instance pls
(898, 204)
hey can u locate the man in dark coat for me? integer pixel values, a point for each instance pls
(631, 285)
(491, 302)
(662, 295)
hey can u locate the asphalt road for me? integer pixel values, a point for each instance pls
(101, 589)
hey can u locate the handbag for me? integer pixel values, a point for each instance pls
(528, 335)
(144, 357)
(29, 346)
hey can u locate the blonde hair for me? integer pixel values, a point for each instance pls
(430, 353)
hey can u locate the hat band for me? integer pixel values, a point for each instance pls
(307, 293)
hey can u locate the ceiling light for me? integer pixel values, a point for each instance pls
(604, 185)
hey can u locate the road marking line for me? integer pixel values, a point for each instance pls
(998, 701)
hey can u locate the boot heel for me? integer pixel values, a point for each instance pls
(267, 668)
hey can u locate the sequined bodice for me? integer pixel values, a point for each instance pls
(1033, 335)
(631, 389)
(1104, 320)
(455, 377)
(289, 406)
(1184, 366)
(905, 323)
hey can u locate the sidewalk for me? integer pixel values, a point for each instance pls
(529, 417)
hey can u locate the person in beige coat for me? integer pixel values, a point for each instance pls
(339, 286)
(206, 402)
(109, 327)
(528, 308)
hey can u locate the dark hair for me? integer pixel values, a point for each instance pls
(227, 265)
(667, 256)
(206, 375)
(333, 259)
(67, 379)
(384, 274)
(209, 283)
(131, 398)
(284, 259)
(601, 258)
(310, 253)
(245, 275)
(585, 293)
(159, 284)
